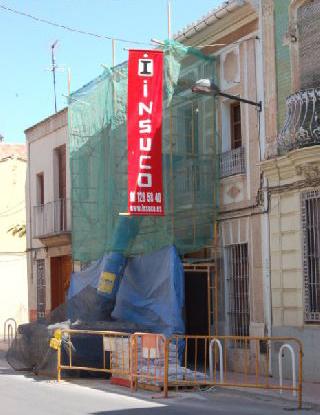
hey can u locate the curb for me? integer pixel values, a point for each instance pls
(306, 404)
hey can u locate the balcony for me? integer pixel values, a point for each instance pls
(51, 221)
(302, 124)
(232, 162)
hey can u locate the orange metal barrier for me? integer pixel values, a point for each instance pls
(114, 345)
(149, 361)
(228, 361)
(232, 361)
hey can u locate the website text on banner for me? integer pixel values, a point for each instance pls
(145, 77)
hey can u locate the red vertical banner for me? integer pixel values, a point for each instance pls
(145, 78)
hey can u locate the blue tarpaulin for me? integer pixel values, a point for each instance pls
(147, 290)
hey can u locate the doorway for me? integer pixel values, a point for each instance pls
(61, 268)
(196, 313)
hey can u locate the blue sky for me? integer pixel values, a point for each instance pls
(26, 86)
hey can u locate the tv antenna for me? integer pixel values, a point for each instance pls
(53, 68)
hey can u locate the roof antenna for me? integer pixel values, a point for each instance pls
(53, 70)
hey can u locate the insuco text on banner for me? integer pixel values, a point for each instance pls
(145, 75)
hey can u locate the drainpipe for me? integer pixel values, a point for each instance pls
(29, 248)
(265, 241)
(266, 269)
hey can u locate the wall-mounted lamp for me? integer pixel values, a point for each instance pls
(208, 87)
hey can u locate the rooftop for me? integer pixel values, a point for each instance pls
(13, 150)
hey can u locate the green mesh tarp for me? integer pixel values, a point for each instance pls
(98, 163)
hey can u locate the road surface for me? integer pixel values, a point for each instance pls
(25, 394)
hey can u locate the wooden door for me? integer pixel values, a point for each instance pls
(61, 268)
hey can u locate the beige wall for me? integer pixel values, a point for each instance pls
(13, 265)
(288, 176)
(240, 217)
(42, 140)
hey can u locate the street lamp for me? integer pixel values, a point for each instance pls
(208, 87)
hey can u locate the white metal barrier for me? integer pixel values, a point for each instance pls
(9, 330)
(293, 363)
(213, 341)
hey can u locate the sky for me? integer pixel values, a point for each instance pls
(26, 86)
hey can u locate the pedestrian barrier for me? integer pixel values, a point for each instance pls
(293, 363)
(234, 361)
(150, 359)
(9, 330)
(147, 359)
(213, 341)
(115, 352)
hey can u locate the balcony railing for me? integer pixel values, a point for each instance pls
(233, 162)
(50, 218)
(302, 125)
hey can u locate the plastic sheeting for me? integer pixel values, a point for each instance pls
(151, 293)
(101, 281)
(148, 290)
(99, 172)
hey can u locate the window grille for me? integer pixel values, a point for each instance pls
(41, 289)
(311, 259)
(238, 289)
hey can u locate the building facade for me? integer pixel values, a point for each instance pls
(232, 34)
(13, 261)
(269, 199)
(48, 215)
(292, 169)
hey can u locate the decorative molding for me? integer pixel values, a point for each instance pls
(310, 171)
(267, 7)
(233, 192)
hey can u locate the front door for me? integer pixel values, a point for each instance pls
(61, 268)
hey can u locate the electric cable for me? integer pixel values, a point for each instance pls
(70, 29)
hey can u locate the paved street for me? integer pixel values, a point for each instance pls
(24, 394)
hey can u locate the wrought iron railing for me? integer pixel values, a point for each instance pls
(232, 162)
(50, 218)
(302, 125)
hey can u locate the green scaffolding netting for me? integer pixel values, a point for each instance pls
(98, 162)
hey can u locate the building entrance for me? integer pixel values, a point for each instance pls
(61, 268)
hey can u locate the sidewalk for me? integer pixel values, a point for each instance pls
(310, 396)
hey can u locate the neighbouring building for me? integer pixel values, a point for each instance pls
(48, 215)
(13, 257)
(292, 170)
(233, 35)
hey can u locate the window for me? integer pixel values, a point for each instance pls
(311, 226)
(61, 156)
(235, 127)
(238, 289)
(308, 16)
(188, 128)
(40, 189)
